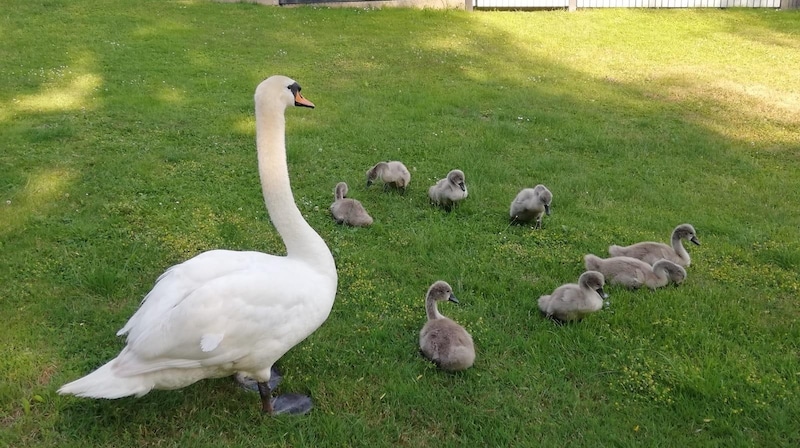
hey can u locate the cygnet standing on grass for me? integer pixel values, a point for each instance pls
(635, 273)
(650, 252)
(448, 191)
(441, 340)
(530, 204)
(393, 174)
(348, 211)
(573, 301)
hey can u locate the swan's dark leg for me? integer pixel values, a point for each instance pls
(293, 404)
(266, 398)
(250, 384)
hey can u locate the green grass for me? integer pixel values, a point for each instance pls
(127, 145)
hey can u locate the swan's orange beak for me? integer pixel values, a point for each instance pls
(300, 100)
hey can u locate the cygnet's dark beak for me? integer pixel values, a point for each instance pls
(547, 209)
(694, 240)
(463, 187)
(369, 182)
(602, 293)
(453, 299)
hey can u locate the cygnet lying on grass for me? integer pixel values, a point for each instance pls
(573, 301)
(442, 340)
(348, 211)
(650, 252)
(393, 174)
(635, 273)
(530, 204)
(448, 191)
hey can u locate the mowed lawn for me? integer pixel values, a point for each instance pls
(127, 146)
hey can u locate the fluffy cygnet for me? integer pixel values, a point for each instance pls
(448, 191)
(393, 174)
(348, 211)
(635, 273)
(573, 301)
(530, 204)
(650, 252)
(441, 340)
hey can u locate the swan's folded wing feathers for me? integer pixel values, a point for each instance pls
(231, 306)
(210, 341)
(177, 282)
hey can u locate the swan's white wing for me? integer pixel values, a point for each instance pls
(269, 308)
(180, 280)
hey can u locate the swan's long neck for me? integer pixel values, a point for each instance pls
(677, 246)
(589, 291)
(340, 192)
(432, 310)
(301, 241)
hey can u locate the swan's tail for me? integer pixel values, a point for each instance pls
(544, 303)
(592, 262)
(615, 250)
(461, 358)
(103, 383)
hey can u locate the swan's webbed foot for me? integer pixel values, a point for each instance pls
(291, 404)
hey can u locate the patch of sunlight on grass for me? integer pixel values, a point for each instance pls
(160, 28)
(204, 229)
(41, 188)
(200, 58)
(245, 125)
(171, 95)
(75, 95)
(769, 98)
(739, 111)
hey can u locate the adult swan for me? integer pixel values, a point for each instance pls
(224, 312)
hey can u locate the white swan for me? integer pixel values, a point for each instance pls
(224, 312)
(650, 252)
